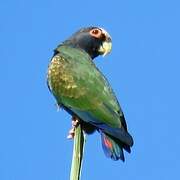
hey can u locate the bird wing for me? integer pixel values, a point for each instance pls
(78, 85)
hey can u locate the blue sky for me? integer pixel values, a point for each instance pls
(143, 70)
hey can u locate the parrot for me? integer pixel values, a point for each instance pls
(82, 90)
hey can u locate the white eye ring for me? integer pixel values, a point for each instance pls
(97, 33)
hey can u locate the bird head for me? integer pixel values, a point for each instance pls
(94, 40)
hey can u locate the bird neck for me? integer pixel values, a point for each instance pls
(90, 51)
(72, 53)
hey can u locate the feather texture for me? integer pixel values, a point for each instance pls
(84, 91)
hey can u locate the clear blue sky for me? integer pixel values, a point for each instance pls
(143, 69)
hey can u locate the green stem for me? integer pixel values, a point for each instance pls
(78, 151)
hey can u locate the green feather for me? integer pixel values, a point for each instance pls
(76, 83)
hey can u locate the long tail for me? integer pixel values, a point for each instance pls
(113, 148)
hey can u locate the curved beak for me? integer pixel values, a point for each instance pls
(106, 46)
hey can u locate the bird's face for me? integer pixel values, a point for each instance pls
(94, 40)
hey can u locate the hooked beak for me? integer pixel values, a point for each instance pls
(106, 46)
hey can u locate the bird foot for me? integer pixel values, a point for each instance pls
(75, 123)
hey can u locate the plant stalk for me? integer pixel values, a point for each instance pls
(78, 150)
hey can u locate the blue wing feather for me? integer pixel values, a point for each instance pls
(119, 133)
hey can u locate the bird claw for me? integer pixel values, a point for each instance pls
(71, 133)
(75, 123)
(70, 136)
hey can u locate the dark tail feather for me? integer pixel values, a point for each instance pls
(113, 148)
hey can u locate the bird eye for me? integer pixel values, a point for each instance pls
(96, 33)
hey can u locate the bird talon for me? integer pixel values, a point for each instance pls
(71, 133)
(70, 136)
(75, 121)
